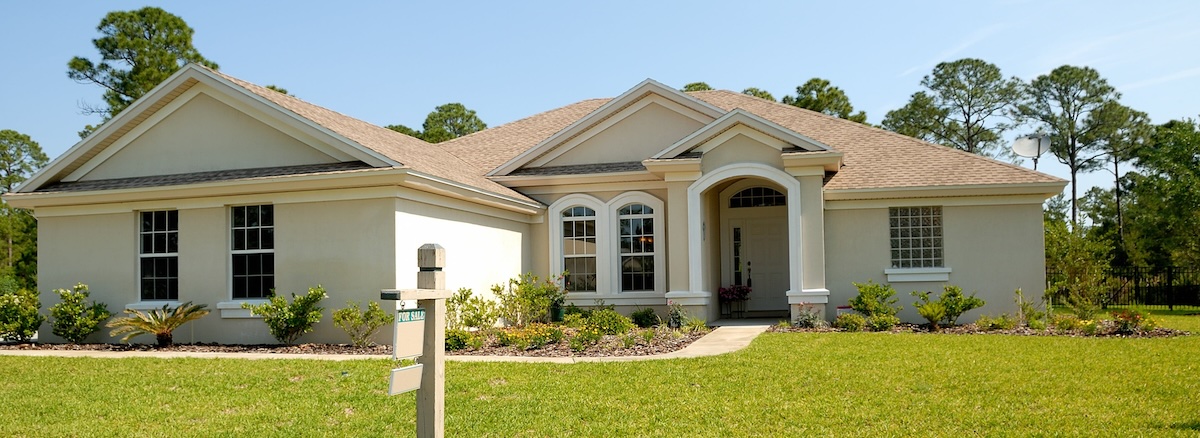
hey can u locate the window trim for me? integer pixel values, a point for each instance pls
(923, 273)
(614, 208)
(608, 257)
(142, 255)
(229, 229)
(556, 237)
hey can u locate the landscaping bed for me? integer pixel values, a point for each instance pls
(1107, 328)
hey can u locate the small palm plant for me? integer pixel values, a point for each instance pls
(158, 322)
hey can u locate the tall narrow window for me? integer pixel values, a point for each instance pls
(159, 254)
(579, 248)
(636, 227)
(916, 234)
(253, 250)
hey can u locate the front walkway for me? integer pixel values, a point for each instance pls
(729, 336)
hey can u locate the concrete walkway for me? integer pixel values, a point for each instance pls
(723, 339)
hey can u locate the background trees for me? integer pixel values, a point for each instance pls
(20, 157)
(819, 95)
(446, 122)
(138, 50)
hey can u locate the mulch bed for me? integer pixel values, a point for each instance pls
(972, 329)
(608, 346)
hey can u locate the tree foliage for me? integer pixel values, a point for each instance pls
(1163, 226)
(20, 157)
(696, 86)
(819, 95)
(138, 50)
(446, 122)
(965, 105)
(759, 93)
(1065, 103)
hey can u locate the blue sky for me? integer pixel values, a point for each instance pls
(392, 62)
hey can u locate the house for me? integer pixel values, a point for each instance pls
(217, 191)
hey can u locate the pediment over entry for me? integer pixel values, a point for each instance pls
(734, 127)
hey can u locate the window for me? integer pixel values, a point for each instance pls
(636, 228)
(916, 235)
(159, 255)
(252, 233)
(757, 197)
(579, 248)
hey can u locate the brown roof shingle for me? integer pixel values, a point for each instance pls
(490, 148)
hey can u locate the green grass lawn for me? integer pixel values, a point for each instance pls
(784, 384)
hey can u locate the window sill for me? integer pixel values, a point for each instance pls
(908, 275)
(234, 310)
(151, 305)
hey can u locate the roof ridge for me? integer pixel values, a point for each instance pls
(906, 138)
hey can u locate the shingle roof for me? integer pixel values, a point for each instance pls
(410, 152)
(581, 169)
(490, 148)
(203, 177)
(876, 158)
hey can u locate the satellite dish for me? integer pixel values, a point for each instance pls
(1031, 146)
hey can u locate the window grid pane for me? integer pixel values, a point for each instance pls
(579, 249)
(158, 238)
(757, 197)
(636, 238)
(252, 241)
(916, 240)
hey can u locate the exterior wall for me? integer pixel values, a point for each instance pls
(480, 250)
(991, 250)
(97, 250)
(640, 135)
(740, 149)
(229, 138)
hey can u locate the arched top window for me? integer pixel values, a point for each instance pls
(757, 197)
(578, 211)
(632, 209)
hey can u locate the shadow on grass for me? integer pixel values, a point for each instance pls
(1187, 425)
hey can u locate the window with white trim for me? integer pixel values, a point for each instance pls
(252, 244)
(579, 249)
(757, 197)
(916, 236)
(159, 255)
(636, 229)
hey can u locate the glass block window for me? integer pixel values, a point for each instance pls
(252, 235)
(579, 248)
(636, 229)
(757, 197)
(916, 235)
(158, 267)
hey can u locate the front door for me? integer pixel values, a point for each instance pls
(758, 256)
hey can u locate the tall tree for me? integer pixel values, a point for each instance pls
(138, 50)
(450, 121)
(696, 86)
(1120, 132)
(1064, 102)
(964, 106)
(819, 95)
(20, 156)
(1164, 213)
(759, 93)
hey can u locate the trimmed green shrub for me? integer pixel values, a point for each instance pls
(851, 322)
(609, 322)
(957, 304)
(288, 321)
(882, 323)
(932, 311)
(528, 299)
(645, 318)
(465, 310)
(158, 322)
(73, 319)
(361, 325)
(874, 299)
(20, 312)
(1065, 322)
(574, 320)
(456, 339)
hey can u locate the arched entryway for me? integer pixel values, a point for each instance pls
(753, 237)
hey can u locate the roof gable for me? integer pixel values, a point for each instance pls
(744, 123)
(647, 101)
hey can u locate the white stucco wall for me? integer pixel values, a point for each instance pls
(991, 250)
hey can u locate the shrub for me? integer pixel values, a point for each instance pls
(1132, 321)
(532, 336)
(694, 325)
(645, 318)
(20, 312)
(1090, 327)
(287, 322)
(882, 323)
(528, 299)
(574, 320)
(610, 322)
(874, 299)
(851, 322)
(1065, 322)
(73, 319)
(158, 322)
(466, 310)
(1037, 324)
(648, 335)
(628, 340)
(584, 338)
(572, 309)
(361, 325)
(808, 317)
(932, 311)
(1083, 307)
(1028, 311)
(675, 315)
(456, 339)
(957, 304)
(1002, 322)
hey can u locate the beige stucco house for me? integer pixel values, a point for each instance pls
(217, 191)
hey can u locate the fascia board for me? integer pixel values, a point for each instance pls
(1046, 190)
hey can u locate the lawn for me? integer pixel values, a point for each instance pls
(784, 384)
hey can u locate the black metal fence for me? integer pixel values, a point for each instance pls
(1156, 288)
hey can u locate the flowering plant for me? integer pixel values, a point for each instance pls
(735, 292)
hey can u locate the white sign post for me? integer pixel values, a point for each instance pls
(422, 332)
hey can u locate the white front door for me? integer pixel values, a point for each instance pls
(758, 256)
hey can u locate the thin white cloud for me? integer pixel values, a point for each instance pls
(972, 40)
(1182, 74)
